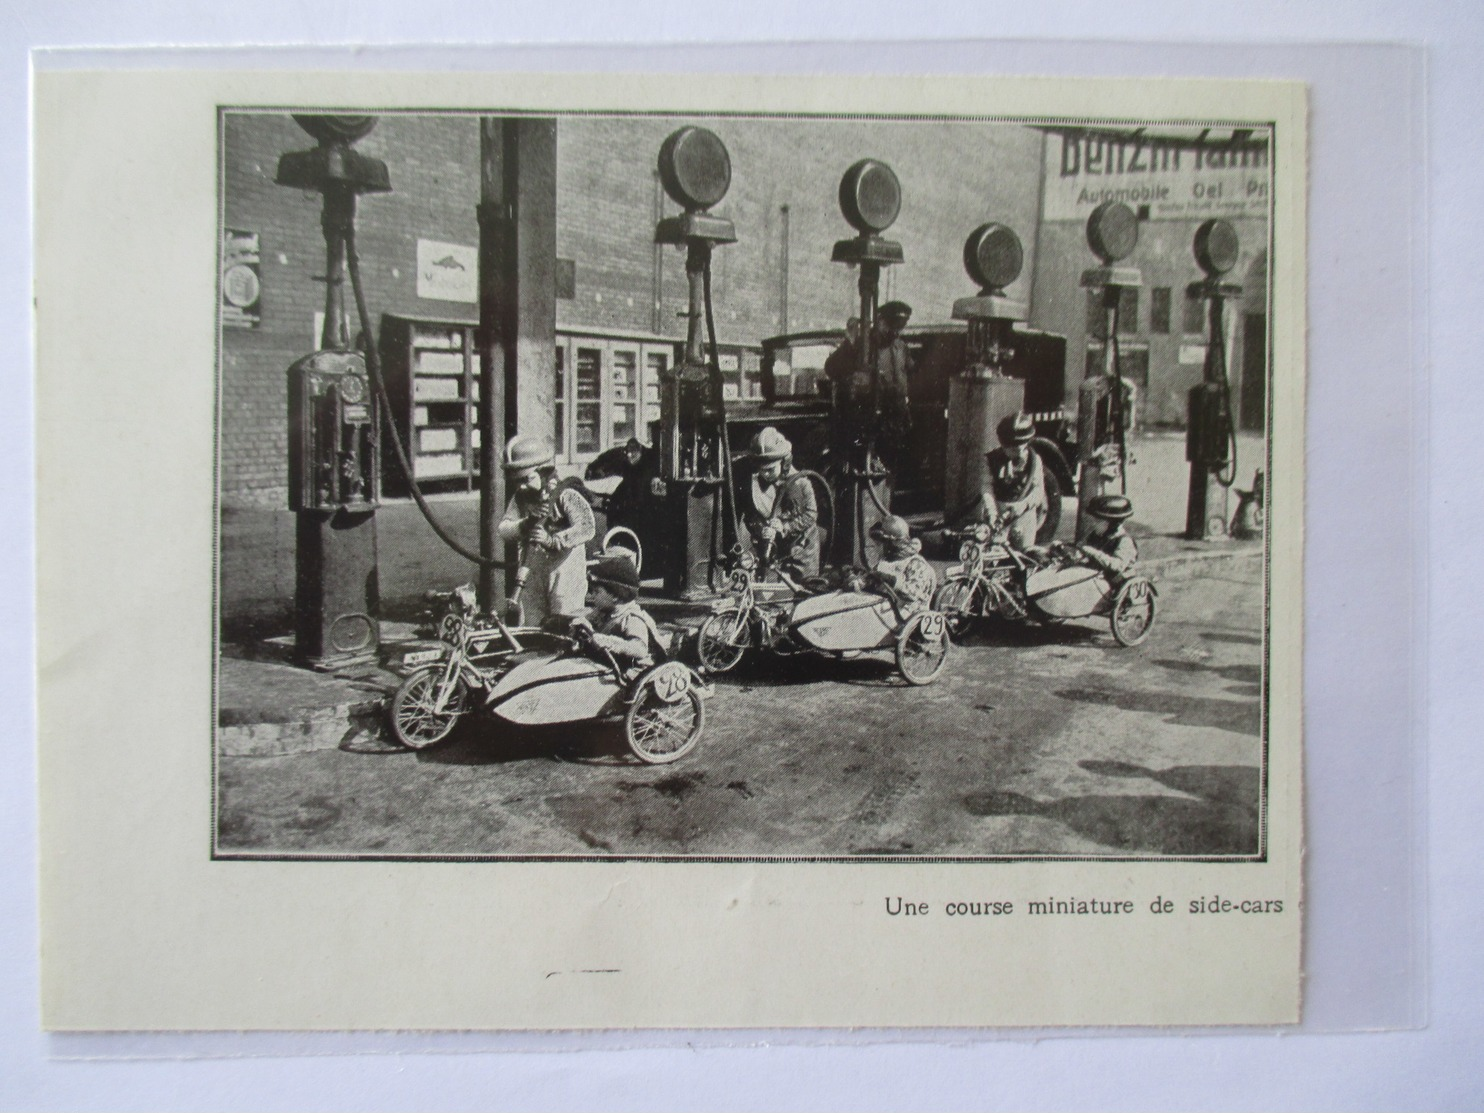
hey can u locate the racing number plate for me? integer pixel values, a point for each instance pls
(421, 657)
(671, 682)
(932, 625)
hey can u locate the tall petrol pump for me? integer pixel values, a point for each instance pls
(695, 453)
(1102, 400)
(1210, 436)
(334, 447)
(981, 395)
(870, 199)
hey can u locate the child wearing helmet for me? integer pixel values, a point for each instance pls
(783, 515)
(617, 622)
(1110, 548)
(902, 566)
(1016, 491)
(553, 525)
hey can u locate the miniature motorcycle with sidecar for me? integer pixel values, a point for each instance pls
(862, 615)
(530, 676)
(1050, 585)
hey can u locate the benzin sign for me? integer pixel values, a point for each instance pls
(1177, 179)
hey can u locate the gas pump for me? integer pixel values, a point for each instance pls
(982, 395)
(1102, 401)
(870, 198)
(334, 451)
(1210, 436)
(695, 452)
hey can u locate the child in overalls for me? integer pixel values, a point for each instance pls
(553, 525)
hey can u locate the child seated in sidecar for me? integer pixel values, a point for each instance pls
(902, 567)
(617, 623)
(1110, 548)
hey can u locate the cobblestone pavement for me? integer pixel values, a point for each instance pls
(1044, 741)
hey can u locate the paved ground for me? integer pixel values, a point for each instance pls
(1051, 741)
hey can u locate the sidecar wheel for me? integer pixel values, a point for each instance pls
(721, 641)
(922, 648)
(659, 732)
(415, 719)
(1133, 612)
(957, 601)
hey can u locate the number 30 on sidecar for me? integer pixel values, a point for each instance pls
(529, 676)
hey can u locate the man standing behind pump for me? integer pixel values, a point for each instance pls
(783, 515)
(853, 387)
(553, 524)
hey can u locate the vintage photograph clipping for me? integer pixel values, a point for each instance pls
(561, 552)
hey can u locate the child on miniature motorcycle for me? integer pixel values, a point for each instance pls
(1109, 548)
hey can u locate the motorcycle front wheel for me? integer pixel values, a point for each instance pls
(958, 601)
(721, 641)
(1133, 612)
(416, 719)
(659, 732)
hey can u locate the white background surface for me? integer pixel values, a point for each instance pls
(1430, 1067)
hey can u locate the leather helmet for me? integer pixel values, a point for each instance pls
(526, 453)
(892, 528)
(770, 445)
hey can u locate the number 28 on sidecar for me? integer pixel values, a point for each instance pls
(861, 616)
(529, 676)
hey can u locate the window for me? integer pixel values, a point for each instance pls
(560, 405)
(1159, 310)
(656, 364)
(1195, 315)
(625, 406)
(587, 435)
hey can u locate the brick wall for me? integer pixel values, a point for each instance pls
(954, 176)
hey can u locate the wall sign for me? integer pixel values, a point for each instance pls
(1176, 178)
(242, 286)
(447, 271)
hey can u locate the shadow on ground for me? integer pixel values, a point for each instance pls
(1242, 716)
(1221, 820)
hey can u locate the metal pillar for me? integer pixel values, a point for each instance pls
(982, 395)
(695, 454)
(517, 308)
(334, 464)
(1102, 424)
(870, 198)
(1208, 431)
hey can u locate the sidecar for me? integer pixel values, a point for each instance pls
(851, 621)
(662, 707)
(1070, 590)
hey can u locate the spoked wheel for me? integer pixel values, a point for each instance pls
(958, 602)
(660, 732)
(417, 720)
(922, 647)
(721, 641)
(1133, 612)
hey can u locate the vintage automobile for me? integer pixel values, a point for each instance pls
(1043, 585)
(863, 615)
(532, 676)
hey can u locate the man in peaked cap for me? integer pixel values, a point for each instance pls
(853, 388)
(783, 515)
(553, 523)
